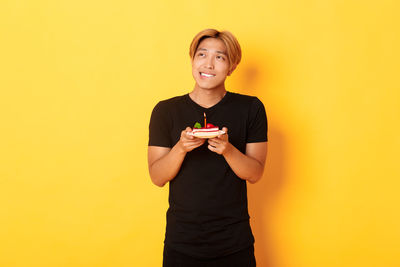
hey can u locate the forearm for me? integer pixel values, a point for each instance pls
(166, 168)
(245, 167)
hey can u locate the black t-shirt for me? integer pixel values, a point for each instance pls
(208, 215)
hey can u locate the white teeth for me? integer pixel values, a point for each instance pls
(207, 75)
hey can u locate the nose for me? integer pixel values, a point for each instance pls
(209, 64)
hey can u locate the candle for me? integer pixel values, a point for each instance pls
(205, 120)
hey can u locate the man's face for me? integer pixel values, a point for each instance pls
(210, 65)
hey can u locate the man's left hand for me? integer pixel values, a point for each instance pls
(220, 144)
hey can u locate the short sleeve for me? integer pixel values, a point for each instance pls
(258, 125)
(159, 127)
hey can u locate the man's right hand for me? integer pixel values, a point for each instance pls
(164, 162)
(188, 142)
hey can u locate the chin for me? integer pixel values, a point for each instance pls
(209, 86)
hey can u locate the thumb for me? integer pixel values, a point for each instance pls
(187, 131)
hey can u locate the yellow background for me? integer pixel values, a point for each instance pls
(78, 82)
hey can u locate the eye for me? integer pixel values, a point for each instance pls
(220, 57)
(200, 54)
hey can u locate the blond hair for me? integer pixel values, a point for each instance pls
(231, 43)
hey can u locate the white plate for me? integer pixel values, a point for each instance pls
(205, 135)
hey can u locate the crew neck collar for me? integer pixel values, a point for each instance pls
(209, 109)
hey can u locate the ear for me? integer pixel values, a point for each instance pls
(232, 69)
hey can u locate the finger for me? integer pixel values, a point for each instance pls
(224, 134)
(196, 141)
(188, 130)
(214, 149)
(213, 141)
(210, 147)
(222, 137)
(194, 145)
(189, 137)
(185, 137)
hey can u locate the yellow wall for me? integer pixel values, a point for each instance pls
(79, 79)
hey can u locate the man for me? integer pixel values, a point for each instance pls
(207, 220)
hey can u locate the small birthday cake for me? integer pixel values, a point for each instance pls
(210, 131)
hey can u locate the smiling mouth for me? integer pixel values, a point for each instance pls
(206, 75)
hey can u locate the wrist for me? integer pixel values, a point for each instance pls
(228, 150)
(180, 148)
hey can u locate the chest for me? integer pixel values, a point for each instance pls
(234, 119)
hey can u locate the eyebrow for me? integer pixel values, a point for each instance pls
(203, 49)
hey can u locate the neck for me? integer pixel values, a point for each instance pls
(207, 97)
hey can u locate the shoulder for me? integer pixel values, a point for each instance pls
(167, 104)
(246, 100)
